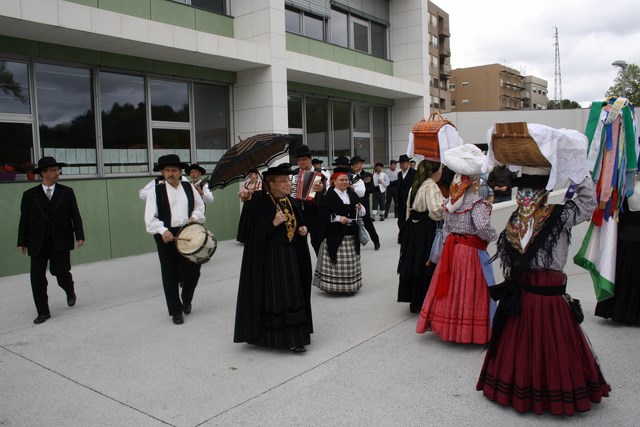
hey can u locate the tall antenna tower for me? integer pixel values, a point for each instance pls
(557, 93)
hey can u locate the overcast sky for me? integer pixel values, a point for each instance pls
(592, 35)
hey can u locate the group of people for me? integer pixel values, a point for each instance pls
(538, 357)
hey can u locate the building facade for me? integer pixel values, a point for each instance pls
(495, 87)
(108, 86)
(439, 59)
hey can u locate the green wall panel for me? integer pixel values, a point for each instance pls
(113, 219)
(214, 23)
(67, 53)
(173, 13)
(139, 8)
(324, 91)
(318, 49)
(125, 62)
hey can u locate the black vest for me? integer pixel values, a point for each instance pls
(162, 202)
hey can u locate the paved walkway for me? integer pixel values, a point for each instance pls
(116, 359)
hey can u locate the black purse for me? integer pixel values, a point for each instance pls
(576, 308)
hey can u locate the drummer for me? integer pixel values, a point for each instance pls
(173, 204)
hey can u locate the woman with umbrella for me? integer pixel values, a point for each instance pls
(273, 308)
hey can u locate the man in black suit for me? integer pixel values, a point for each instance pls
(357, 163)
(49, 219)
(405, 181)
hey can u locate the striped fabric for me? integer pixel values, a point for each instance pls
(345, 276)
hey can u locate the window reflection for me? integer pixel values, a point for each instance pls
(339, 29)
(171, 141)
(14, 88)
(124, 123)
(16, 145)
(66, 116)
(317, 134)
(379, 134)
(211, 122)
(169, 101)
(341, 129)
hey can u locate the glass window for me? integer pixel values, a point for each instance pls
(339, 28)
(66, 116)
(341, 129)
(378, 40)
(379, 134)
(211, 116)
(124, 123)
(292, 21)
(317, 134)
(16, 145)
(14, 88)
(313, 26)
(361, 118)
(216, 6)
(172, 141)
(295, 112)
(169, 101)
(362, 147)
(360, 31)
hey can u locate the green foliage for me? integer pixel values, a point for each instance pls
(633, 84)
(566, 105)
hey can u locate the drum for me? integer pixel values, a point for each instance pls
(196, 243)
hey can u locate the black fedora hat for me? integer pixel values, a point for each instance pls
(281, 169)
(169, 160)
(47, 162)
(316, 161)
(341, 160)
(195, 166)
(302, 151)
(356, 159)
(404, 158)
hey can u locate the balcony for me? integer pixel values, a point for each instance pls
(445, 70)
(443, 29)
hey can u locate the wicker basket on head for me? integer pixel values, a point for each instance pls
(512, 145)
(425, 136)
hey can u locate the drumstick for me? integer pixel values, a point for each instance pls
(186, 239)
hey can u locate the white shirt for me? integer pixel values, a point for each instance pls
(53, 189)
(144, 191)
(359, 188)
(385, 181)
(344, 196)
(179, 205)
(393, 174)
(207, 195)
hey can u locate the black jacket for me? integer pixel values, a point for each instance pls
(58, 219)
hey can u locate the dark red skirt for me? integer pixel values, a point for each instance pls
(543, 361)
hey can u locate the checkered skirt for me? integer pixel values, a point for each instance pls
(345, 276)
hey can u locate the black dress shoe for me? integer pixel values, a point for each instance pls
(41, 318)
(178, 320)
(299, 349)
(186, 308)
(71, 301)
(377, 246)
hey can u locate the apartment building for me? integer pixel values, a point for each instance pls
(439, 59)
(108, 86)
(495, 87)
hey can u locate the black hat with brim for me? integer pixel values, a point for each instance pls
(195, 166)
(169, 160)
(404, 158)
(281, 169)
(302, 151)
(315, 161)
(356, 159)
(341, 160)
(47, 162)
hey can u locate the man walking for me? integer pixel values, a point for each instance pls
(392, 189)
(405, 181)
(50, 225)
(380, 183)
(357, 163)
(172, 204)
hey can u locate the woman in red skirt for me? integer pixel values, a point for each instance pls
(457, 306)
(539, 358)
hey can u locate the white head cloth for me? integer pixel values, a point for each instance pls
(466, 159)
(565, 149)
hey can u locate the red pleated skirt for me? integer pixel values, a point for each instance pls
(462, 315)
(543, 361)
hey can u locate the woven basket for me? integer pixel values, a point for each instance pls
(512, 145)
(425, 136)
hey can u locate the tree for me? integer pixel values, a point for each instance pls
(566, 105)
(633, 84)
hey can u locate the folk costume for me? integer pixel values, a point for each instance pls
(405, 181)
(49, 220)
(457, 305)
(338, 269)
(367, 179)
(247, 189)
(169, 208)
(417, 235)
(539, 358)
(274, 294)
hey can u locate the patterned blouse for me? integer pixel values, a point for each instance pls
(473, 218)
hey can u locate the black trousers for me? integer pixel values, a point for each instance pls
(391, 195)
(378, 203)
(59, 266)
(176, 268)
(368, 224)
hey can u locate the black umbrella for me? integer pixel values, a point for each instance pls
(255, 152)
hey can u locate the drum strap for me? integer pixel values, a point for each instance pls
(162, 202)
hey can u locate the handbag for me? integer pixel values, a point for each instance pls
(363, 234)
(576, 307)
(437, 246)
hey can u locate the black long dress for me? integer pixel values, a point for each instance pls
(273, 308)
(624, 306)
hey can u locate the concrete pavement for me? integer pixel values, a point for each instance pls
(116, 359)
